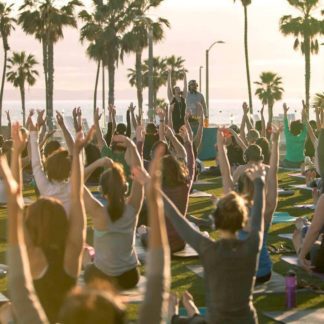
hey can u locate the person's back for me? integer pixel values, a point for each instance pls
(120, 238)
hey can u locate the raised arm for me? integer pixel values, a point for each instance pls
(26, 304)
(190, 154)
(128, 123)
(100, 139)
(77, 221)
(286, 125)
(199, 134)
(41, 180)
(320, 152)
(66, 133)
(312, 234)
(187, 124)
(112, 116)
(263, 124)
(133, 118)
(9, 123)
(272, 177)
(170, 119)
(170, 91)
(161, 114)
(155, 304)
(180, 151)
(238, 139)
(41, 123)
(225, 169)
(134, 160)
(309, 128)
(103, 162)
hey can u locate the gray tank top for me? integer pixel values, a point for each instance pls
(115, 247)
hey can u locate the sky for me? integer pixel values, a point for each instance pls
(195, 25)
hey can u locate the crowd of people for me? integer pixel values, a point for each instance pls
(145, 174)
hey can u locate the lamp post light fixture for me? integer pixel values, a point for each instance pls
(207, 71)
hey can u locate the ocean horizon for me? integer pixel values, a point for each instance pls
(223, 111)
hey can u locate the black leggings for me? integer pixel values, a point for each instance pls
(127, 280)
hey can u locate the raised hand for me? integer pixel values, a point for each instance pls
(220, 138)
(60, 119)
(49, 134)
(19, 138)
(132, 107)
(112, 110)
(6, 174)
(245, 108)
(276, 130)
(140, 133)
(285, 108)
(160, 112)
(40, 117)
(184, 133)
(8, 116)
(97, 115)
(168, 132)
(81, 141)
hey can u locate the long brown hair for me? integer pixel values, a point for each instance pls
(58, 165)
(113, 185)
(174, 173)
(47, 224)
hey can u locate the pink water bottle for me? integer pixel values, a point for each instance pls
(291, 285)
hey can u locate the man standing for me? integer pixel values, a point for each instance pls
(193, 98)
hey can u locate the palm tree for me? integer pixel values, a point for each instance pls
(176, 65)
(245, 4)
(136, 40)
(318, 101)
(6, 26)
(305, 29)
(93, 32)
(270, 90)
(21, 70)
(45, 20)
(160, 75)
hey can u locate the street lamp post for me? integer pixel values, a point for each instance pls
(200, 87)
(207, 71)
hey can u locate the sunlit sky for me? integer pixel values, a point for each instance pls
(194, 26)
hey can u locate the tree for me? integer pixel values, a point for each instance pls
(245, 4)
(270, 90)
(6, 26)
(21, 70)
(46, 21)
(136, 40)
(176, 65)
(305, 28)
(318, 101)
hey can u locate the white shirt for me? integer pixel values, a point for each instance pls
(55, 189)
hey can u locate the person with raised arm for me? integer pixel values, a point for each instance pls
(177, 102)
(115, 223)
(53, 243)
(229, 264)
(295, 141)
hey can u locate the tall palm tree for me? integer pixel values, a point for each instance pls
(160, 75)
(136, 40)
(245, 4)
(21, 71)
(93, 32)
(305, 28)
(176, 65)
(6, 26)
(269, 91)
(46, 20)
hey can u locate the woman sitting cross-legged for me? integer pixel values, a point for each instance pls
(54, 242)
(115, 224)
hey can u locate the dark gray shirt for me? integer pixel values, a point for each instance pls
(193, 98)
(229, 264)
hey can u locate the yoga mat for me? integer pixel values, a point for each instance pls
(306, 206)
(199, 194)
(202, 183)
(285, 192)
(301, 186)
(295, 316)
(287, 236)
(136, 295)
(293, 260)
(282, 217)
(183, 311)
(187, 252)
(296, 175)
(289, 169)
(275, 285)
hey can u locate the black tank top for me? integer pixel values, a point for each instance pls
(52, 288)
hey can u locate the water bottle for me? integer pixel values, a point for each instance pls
(291, 285)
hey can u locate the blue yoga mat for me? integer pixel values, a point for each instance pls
(183, 312)
(282, 217)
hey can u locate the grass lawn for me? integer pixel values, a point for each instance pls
(183, 279)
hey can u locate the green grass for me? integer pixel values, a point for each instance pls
(183, 279)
